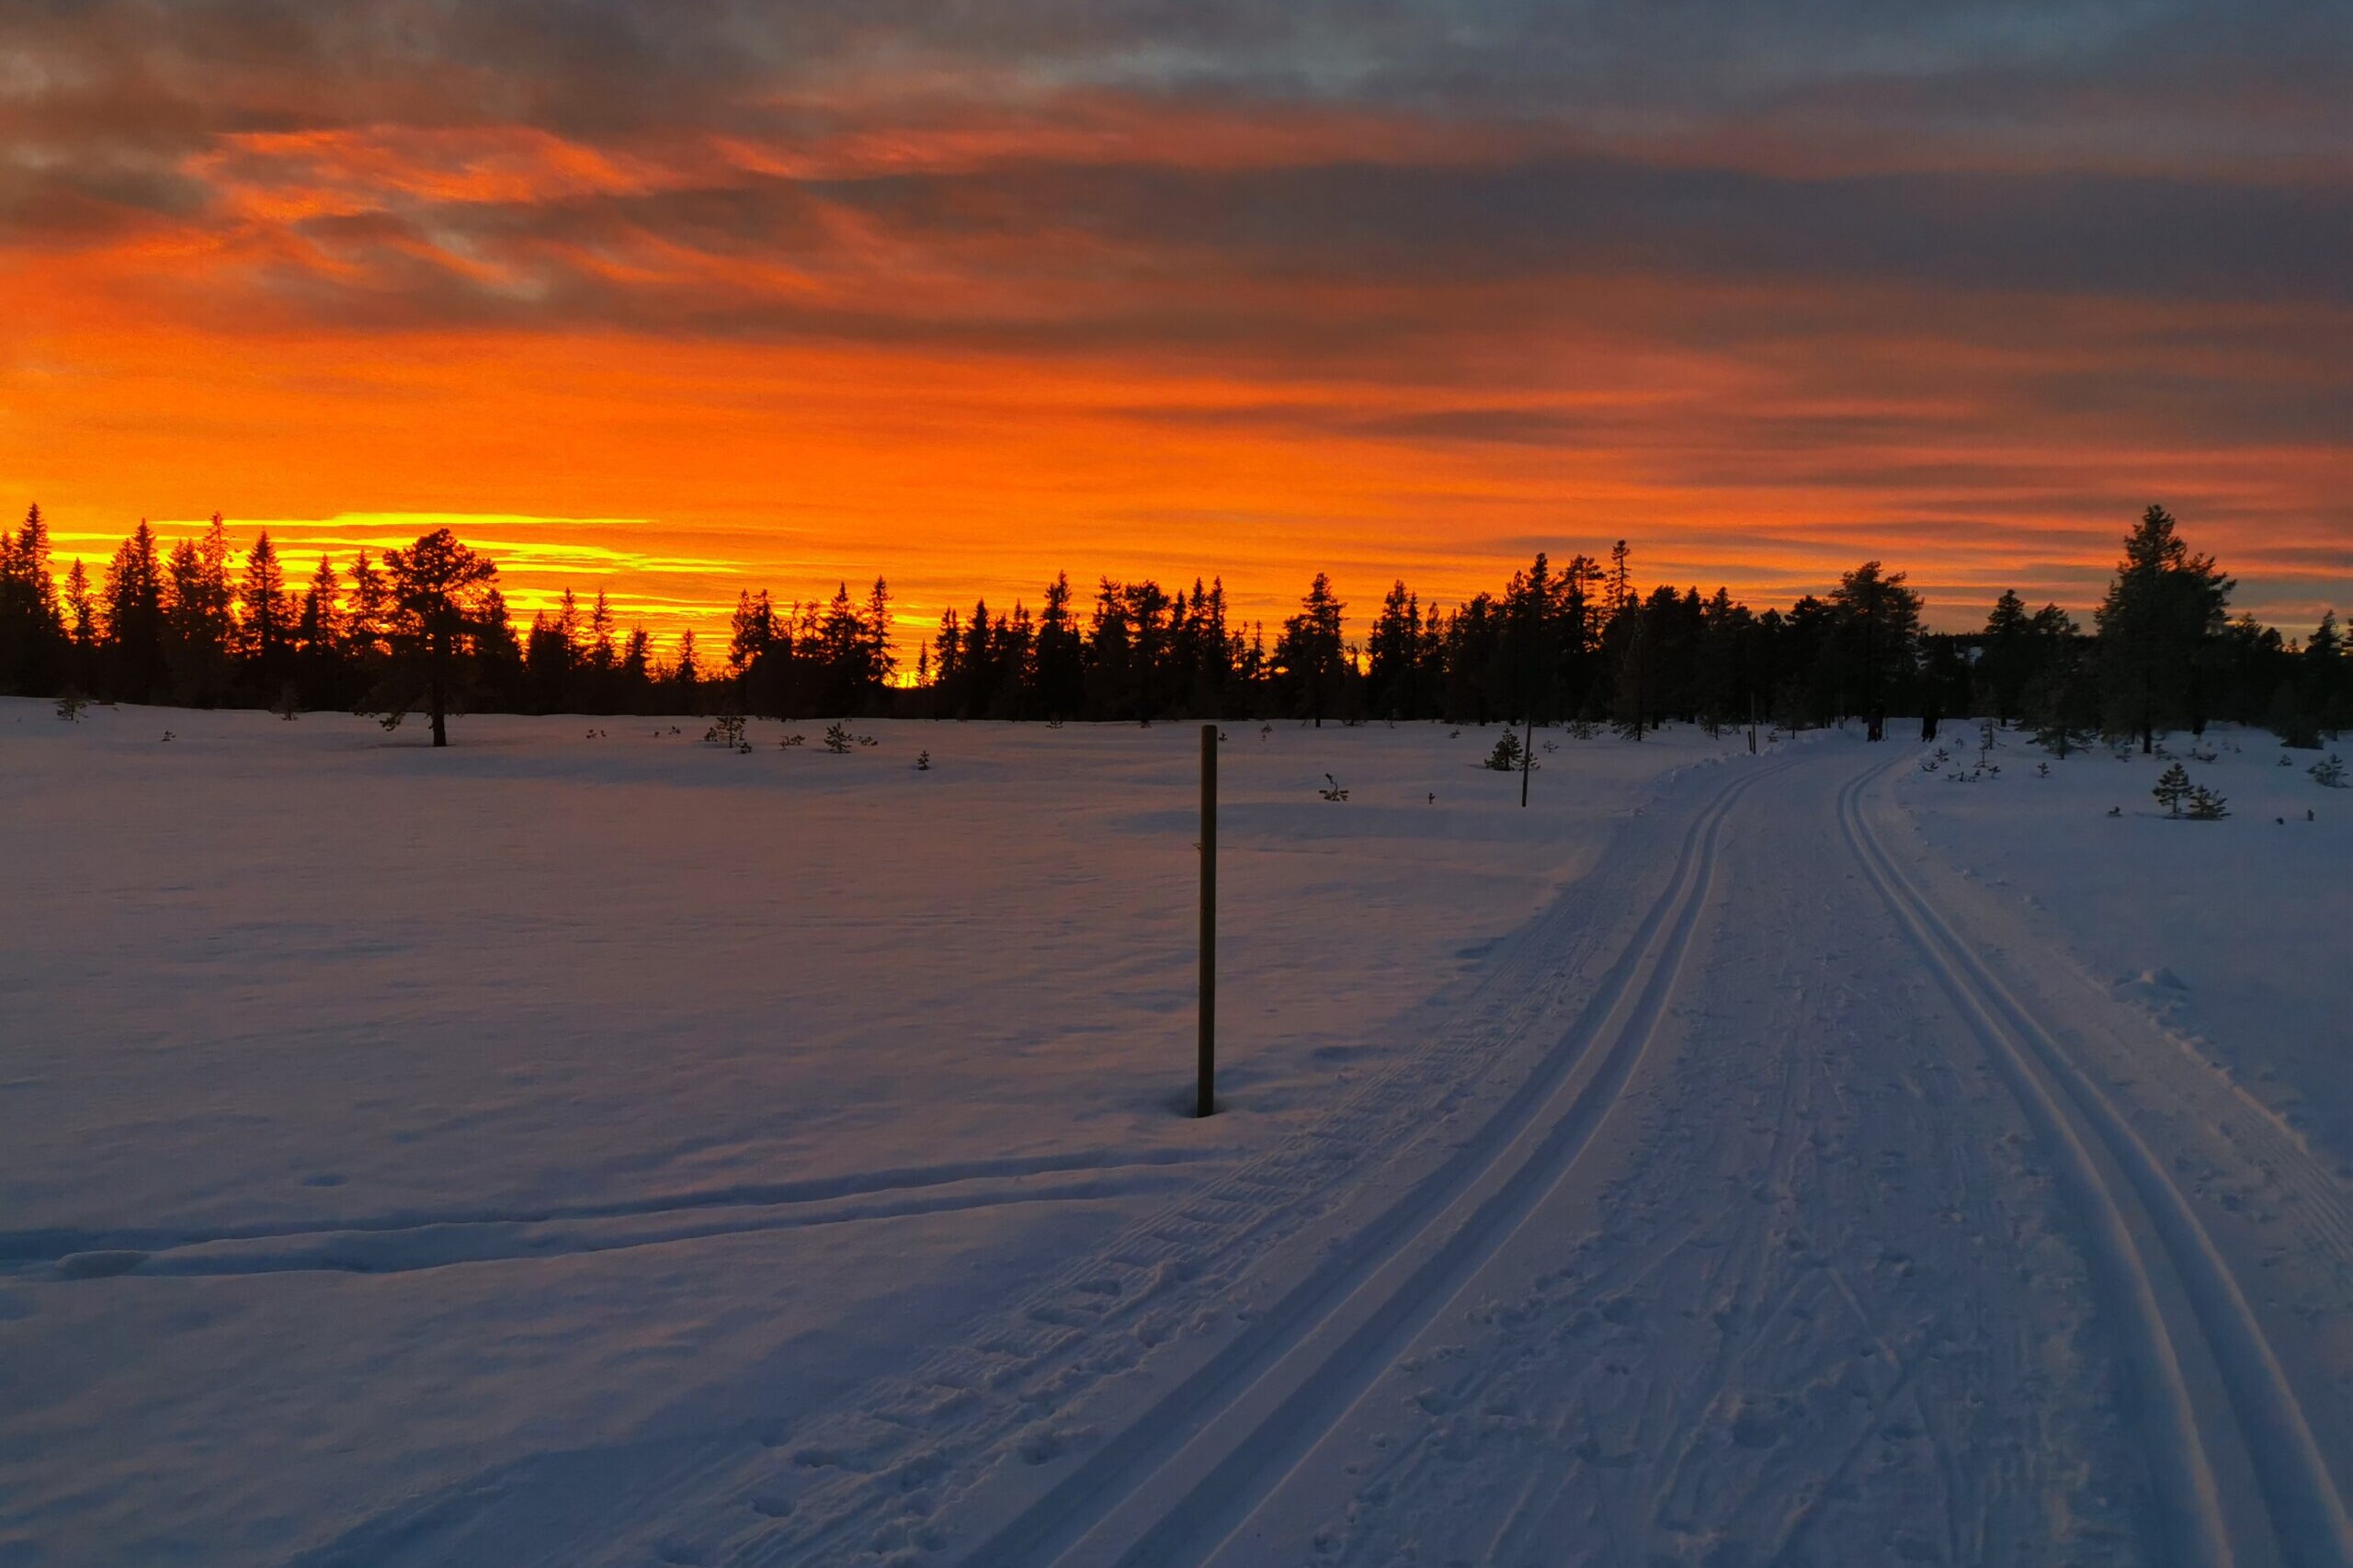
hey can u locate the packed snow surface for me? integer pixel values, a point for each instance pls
(588, 1145)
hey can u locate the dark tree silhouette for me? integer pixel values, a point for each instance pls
(1311, 659)
(440, 601)
(1578, 642)
(2162, 611)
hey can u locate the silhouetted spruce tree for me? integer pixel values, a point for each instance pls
(265, 618)
(319, 638)
(133, 600)
(1876, 635)
(2328, 691)
(200, 613)
(32, 633)
(2162, 610)
(2172, 789)
(1394, 656)
(1310, 657)
(439, 600)
(1629, 645)
(1060, 668)
(81, 629)
(2006, 660)
(367, 609)
(1722, 664)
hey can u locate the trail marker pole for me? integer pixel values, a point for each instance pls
(1206, 1078)
(1526, 757)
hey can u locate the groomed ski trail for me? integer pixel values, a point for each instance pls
(1088, 1371)
(2155, 1259)
(1190, 1468)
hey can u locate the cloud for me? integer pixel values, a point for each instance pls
(1995, 271)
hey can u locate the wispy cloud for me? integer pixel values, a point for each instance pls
(809, 290)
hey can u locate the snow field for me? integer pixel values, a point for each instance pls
(591, 1147)
(408, 1148)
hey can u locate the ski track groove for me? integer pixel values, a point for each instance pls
(2306, 1517)
(1310, 1398)
(49, 1243)
(1176, 1254)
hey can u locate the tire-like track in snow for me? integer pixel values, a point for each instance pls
(2160, 1273)
(1189, 1468)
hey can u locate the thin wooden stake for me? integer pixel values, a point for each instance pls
(1206, 1085)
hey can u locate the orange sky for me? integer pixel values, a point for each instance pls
(964, 336)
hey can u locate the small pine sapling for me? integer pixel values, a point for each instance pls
(1505, 758)
(1334, 791)
(727, 729)
(2172, 788)
(70, 704)
(2206, 806)
(2042, 770)
(838, 738)
(790, 741)
(2329, 772)
(923, 761)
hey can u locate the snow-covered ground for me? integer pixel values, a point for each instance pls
(2234, 934)
(586, 1145)
(553, 1094)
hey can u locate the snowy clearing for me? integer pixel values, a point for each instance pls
(586, 1149)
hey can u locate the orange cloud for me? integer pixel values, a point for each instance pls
(966, 345)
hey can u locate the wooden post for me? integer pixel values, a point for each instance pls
(1526, 757)
(1205, 1087)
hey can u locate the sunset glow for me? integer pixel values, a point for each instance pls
(677, 301)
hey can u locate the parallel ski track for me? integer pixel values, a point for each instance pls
(1187, 1472)
(2126, 1201)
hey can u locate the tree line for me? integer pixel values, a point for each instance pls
(425, 628)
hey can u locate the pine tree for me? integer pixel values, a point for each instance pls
(267, 614)
(1631, 684)
(440, 593)
(2328, 689)
(32, 633)
(81, 612)
(200, 610)
(319, 628)
(2007, 661)
(2173, 788)
(881, 659)
(133, 600)
(363, 620)
(2206, 806)
(1876, 632)
(602, 658)
(1311, 654)
(2162, 611)
(2062, 704)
